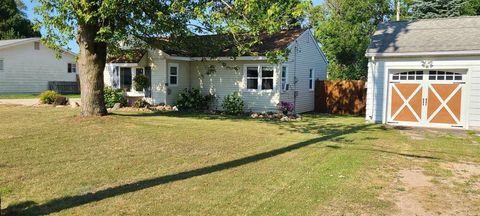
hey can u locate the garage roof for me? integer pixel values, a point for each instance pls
(444, 36)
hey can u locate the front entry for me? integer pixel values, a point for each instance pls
(426, 98)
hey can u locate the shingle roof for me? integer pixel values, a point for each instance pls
(127, 56)
(201, 46)
(429, 35)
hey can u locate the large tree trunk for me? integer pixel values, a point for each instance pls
(92, 63)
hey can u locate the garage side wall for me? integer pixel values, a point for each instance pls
(376, 91)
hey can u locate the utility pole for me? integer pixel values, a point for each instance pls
(398, 10)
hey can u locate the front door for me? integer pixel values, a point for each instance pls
(426, 98)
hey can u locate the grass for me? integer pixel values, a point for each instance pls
(52, 161)
(31, 96)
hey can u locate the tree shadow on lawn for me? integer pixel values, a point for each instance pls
(67, 202)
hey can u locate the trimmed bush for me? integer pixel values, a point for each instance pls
(113, 96)
(233, 104)
(48, 97)
(193, 100)
(140, 82)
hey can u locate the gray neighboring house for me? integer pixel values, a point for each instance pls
(425, 73)
(262, 85)
(26, 66)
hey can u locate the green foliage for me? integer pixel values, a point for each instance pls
(233, 104)
(14, 23)
(193, 100)
(140, 82)
(113, 96)
(344, 28)
(48, 97)
(472, 8)
(427, 9)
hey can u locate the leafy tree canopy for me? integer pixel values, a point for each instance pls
(13, 21)
(426, 9)
(344, 27)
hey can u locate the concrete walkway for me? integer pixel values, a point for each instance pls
(30, 102)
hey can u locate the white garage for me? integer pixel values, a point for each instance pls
(425, 73)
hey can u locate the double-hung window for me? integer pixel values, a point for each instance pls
(267, 78)
(173, 74)
(311, 80)
(259, 77)
(71, 68)
(284, 78)
(252, 78)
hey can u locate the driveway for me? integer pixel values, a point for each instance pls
(30, 102)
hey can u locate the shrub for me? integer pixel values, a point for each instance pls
(113, 96)
(141, 104)
(285, 107)
(233, 104)
(193, 100)
(140, 82)
(48, 97)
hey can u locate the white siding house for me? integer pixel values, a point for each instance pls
(26, 66)
(425, 73)
(172, 73)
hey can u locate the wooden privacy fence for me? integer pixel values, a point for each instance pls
(340, 96)
(64, 87)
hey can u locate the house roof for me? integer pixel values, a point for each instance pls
(127, 56)
(430, 36)
(210, 45)
(14, 42)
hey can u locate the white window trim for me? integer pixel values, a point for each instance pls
(284, 88)
(170, 65)
(311, 79)
(259, 78)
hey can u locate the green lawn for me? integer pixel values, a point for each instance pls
(31, 96)
(52, 161)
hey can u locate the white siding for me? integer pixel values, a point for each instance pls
(159, 77)
(229, 79)
(28, 71)
(377, 102)
(308, 56)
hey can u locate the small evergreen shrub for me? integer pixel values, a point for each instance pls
(233, 104)
(140, 82)
(113, 96)
(48, 97)
(193, 100)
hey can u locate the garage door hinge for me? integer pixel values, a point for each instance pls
(392, 122)
(457, 126)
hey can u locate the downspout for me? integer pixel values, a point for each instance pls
(295, 93)
(373, 88)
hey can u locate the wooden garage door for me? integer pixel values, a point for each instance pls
(426, 98)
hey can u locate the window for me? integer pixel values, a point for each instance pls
(126, 78)
(1, 64)
(284, 78)
(252, 77)
(267, 78)
(409, 75)
(72, 68)
(443, 75)
(173, 75)
(311, 79)
(36, 45)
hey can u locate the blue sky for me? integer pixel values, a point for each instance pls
(72, 44)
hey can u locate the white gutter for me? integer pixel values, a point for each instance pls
(224, 58)
(439, 53)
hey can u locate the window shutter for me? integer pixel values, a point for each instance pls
(1, 64)
(69, 68)
(36, 45)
